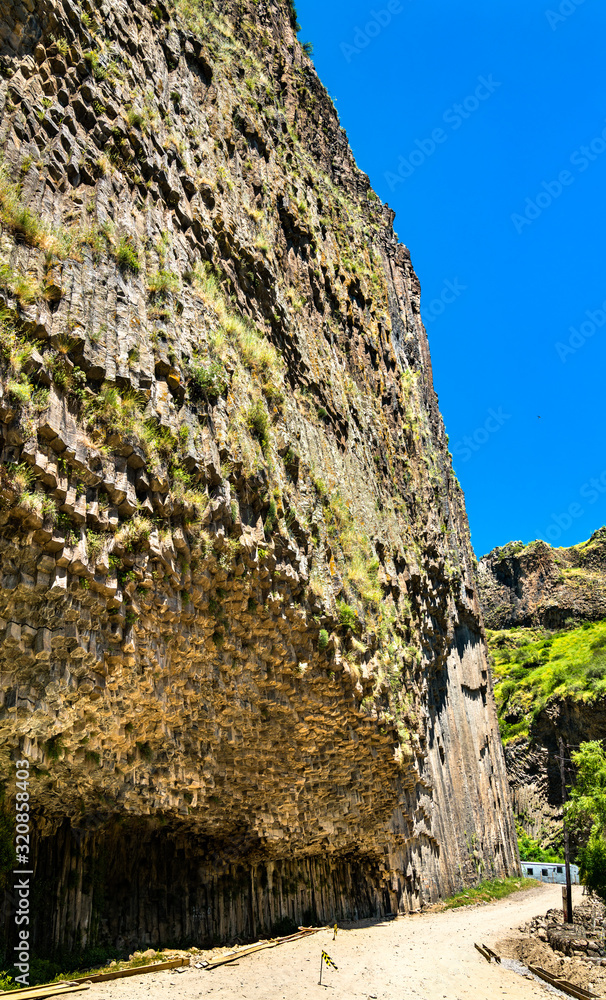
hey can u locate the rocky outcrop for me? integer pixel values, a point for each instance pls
(537, 585)
(241, 639)
(537, 590)
(583, 938)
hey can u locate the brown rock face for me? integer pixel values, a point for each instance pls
(241, 641)
(537, 585)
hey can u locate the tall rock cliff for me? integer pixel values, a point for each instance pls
(546, 609)
(241, 639)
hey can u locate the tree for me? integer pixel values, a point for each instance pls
(531, 850)
(586, 811)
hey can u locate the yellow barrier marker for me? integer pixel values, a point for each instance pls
(326, 958)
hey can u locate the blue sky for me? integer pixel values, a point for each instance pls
(503, 209)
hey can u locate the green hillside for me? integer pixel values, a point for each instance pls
(532, 666)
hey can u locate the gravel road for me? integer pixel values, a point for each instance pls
(429, 956)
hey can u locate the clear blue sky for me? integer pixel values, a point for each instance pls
(498, 293)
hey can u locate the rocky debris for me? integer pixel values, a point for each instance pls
(585, 937)
(241, 640)
(571, 952)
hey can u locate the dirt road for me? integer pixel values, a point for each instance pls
(428, 956)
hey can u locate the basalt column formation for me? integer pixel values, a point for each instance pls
(240, 638)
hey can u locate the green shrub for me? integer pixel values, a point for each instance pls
(592, 864)
(322, 639)
(19, 219)
(134, 534)
(320, 488)
(348, 617)
(257, 420)
(53, 748)
(7, 982)
(162, 282)
(96, 67)
(586, 810)
(136, 119)
(294, 19)
(270, 520)
(126, 255)
(145, 751)
(19, 392)
(531, 850)
(209, 380)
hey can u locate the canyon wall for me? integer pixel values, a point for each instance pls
(538, 585)
(241, 638)
(529, 594)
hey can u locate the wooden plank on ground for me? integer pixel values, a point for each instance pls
(482, 951)
(52, 990)
(32, 992)
(21, 990)
(562, 984)
(243, 952)
(576, 991)
(140, 970)
(492, 954)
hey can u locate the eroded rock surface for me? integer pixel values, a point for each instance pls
(538, 585)
(241, 635)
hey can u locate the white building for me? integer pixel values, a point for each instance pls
(547, 871)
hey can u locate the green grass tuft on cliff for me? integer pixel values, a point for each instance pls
(532, 666)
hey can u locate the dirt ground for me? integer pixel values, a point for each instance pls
(431, 956)
(526, 948)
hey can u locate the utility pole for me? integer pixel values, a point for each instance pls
(567, 898)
